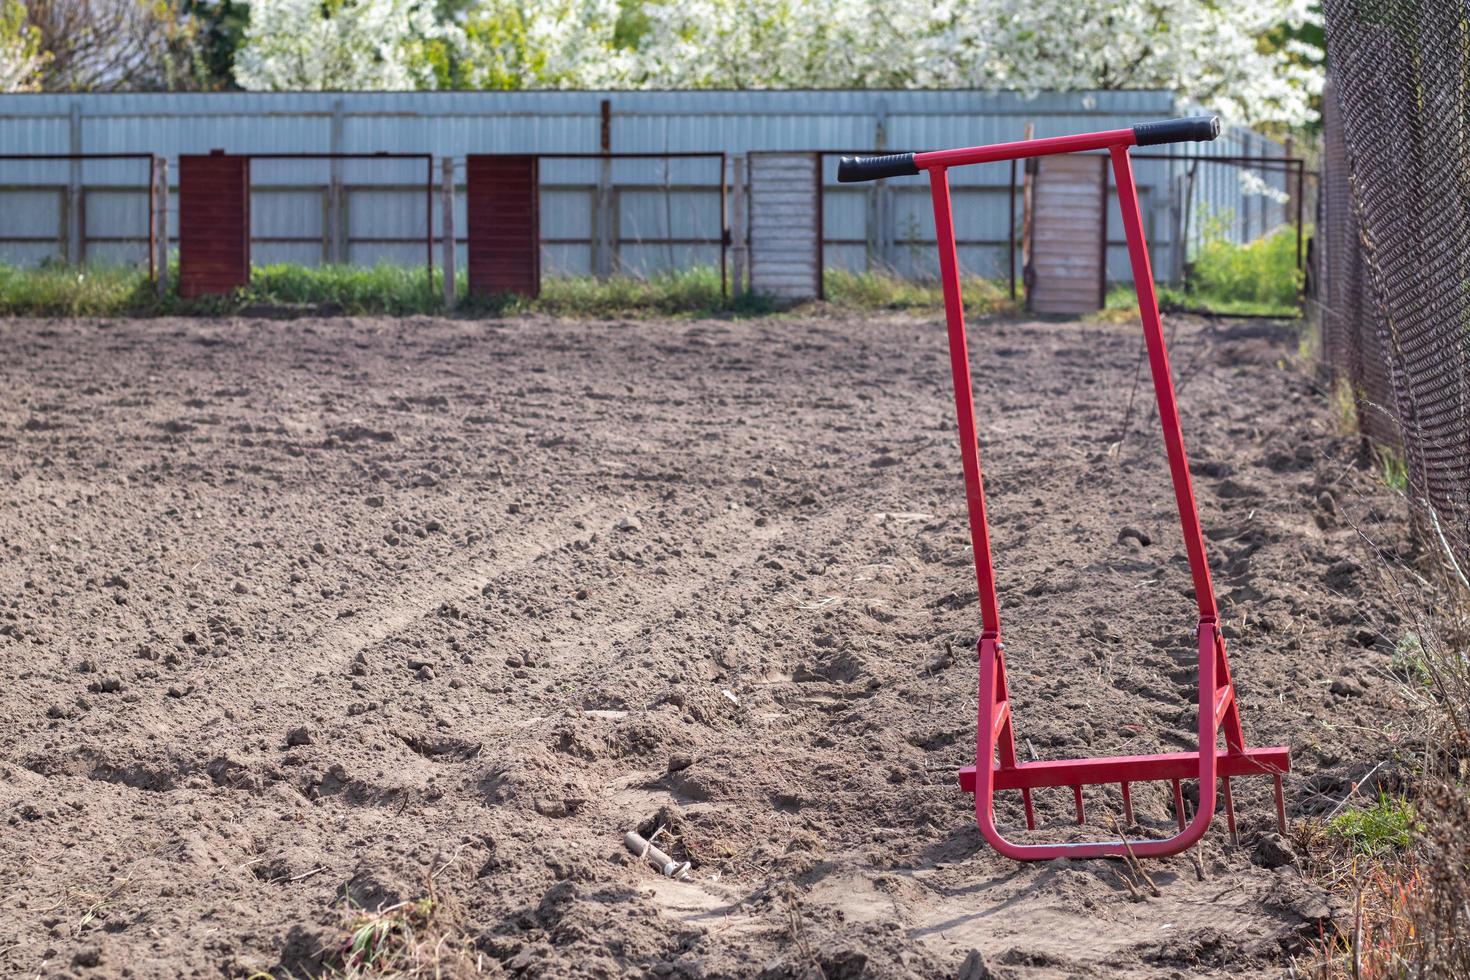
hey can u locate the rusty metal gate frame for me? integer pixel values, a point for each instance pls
(428, 186)
(723, 184)
(1295, 167)
(153, 230)
(822, 156)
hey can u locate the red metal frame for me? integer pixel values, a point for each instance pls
(997, 767)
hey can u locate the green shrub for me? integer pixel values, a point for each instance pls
(1259, 278)
(1261, 272)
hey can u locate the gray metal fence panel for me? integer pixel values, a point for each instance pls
(887, 226)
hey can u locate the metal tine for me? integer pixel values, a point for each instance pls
(1030, 813)
(1280, 806)
(1077, 797)
(1127, 805)
(1179, 804)
(1230, 812)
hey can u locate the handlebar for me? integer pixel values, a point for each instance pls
(1191, 129)
(850, 170)
(1200, 129)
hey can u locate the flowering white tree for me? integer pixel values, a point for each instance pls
(1214, 53)
(21, 57)
(792, 43)
(1235, 58)
(515, 44)
(296, 45)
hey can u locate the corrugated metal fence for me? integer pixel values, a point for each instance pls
(596, 216)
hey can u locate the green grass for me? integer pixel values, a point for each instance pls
(687, 292)
(1385, 825)
(406, 941)
(1261, 273)
(65, 291)
(389, 289)
(382, 289)
(883, 291)
(398, 291)
(122, 291)
(1393, 468)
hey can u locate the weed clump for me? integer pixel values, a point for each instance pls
(1384, 825)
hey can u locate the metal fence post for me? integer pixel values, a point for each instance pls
(160, 222)
(446, 240)
(739, 253)
(880, 201)
(75, 222)
(336, 195)
(604, 242)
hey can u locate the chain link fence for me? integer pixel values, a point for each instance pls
(1393, 241)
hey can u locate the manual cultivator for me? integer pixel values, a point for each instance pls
(996, 765)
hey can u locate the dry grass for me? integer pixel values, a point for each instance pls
(1405, 862)
(1411, 908)
(409, 940)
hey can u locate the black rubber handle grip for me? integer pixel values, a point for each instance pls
(1191, 129)
(850, 170)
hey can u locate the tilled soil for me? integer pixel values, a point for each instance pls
(306, 615)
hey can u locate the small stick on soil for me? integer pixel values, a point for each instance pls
(798, 932)
(1357, 785)
(1199, 866)
(453, 858)
(1133, 863)
(1128, 413)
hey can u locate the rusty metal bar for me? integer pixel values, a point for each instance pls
(152, 217)
(1011, 231)
(724, 232)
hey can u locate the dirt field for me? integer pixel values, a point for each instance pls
(299, 614)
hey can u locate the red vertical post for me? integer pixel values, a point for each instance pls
(1158, 362)
(504, 218)
(964, 398)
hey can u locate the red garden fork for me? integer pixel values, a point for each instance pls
(996, 766)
